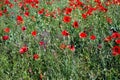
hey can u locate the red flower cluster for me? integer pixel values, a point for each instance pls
(67, 18)
(115, 36)
(70, 47)
(84, 35)
(75, 3)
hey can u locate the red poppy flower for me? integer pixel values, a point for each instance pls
(97, 1)
(7, 30)
(102, 8)
(23, 28)
(109, 20)
(41, 43)
(11, 5)
(23, 49)
(1, 13)
(66, 19)
(35, 56)
(71, 47)
(84, 15)
(19, 18)
(118, 35)
(62, 46)
(41, 11)
(117, 41)
(90, 10)
(68, 10)
(26, 14)
(115, 50)
(92, 37)
(6, 37)
(75, 24)
(115, 35)
(82, 35)
(34, 33)
(65, 33)
(5, 10)
(48, 14)
(79, 3)
(108, 38)
(116, 2)
(7, 2)
(107, 3)
(20, 4)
